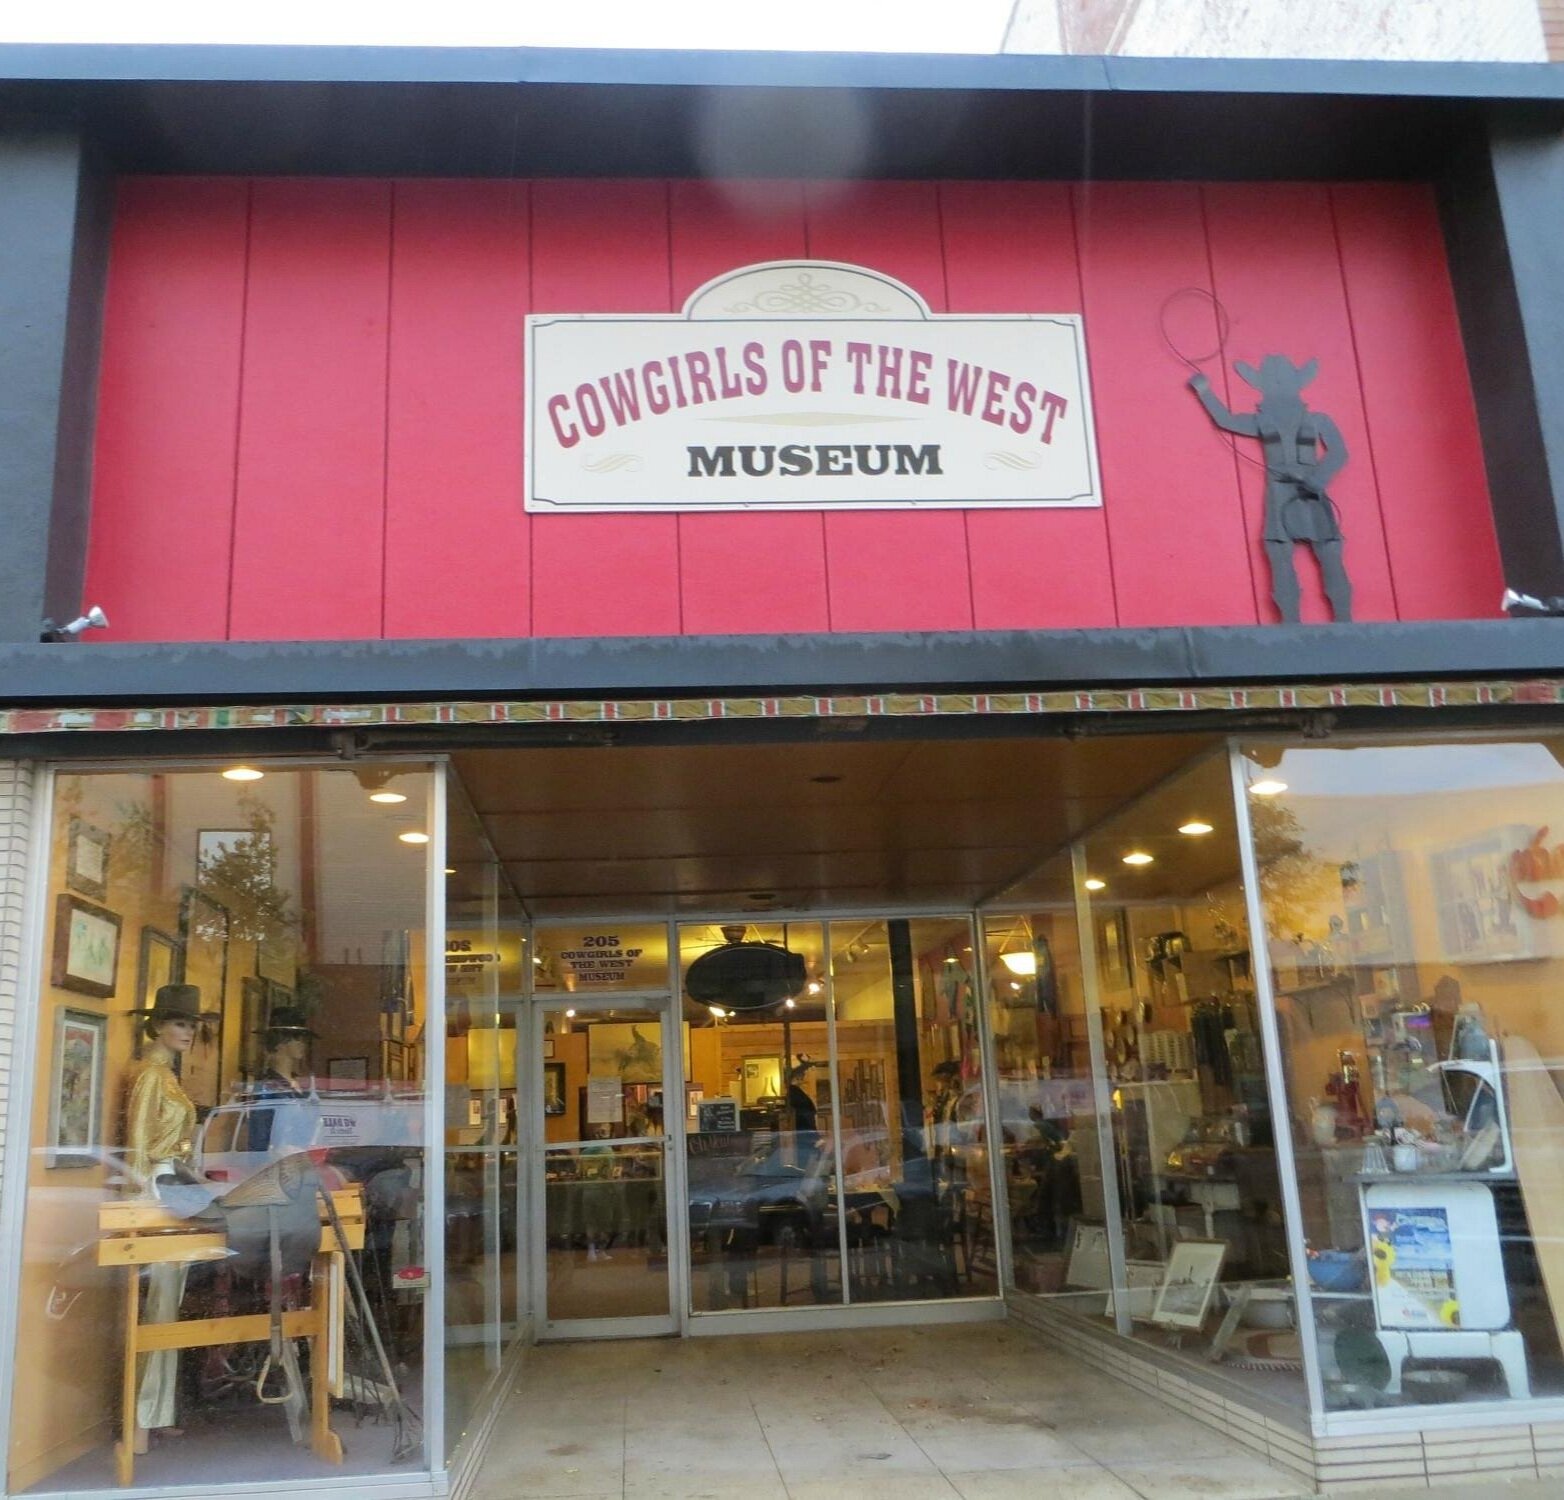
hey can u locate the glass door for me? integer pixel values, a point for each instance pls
(601, 1165)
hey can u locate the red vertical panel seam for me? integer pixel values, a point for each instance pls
(1080, 292)
(244, 324)
(966, 512)
(1219, 318)
(825, 551)
(678, 520)
(385, 414)
(527, 437)
(1368, 421)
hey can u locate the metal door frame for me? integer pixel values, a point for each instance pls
(672, 1142)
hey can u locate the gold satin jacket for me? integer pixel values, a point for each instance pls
(159, 1117)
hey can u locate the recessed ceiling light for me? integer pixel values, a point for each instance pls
(814, 986)
(414, 838)
(1195, 827)
(790, 1003)
(1092, 883)
(570, 1012)
(1268, 786)
(1138, 857)
(242, 773)
(717, 1011)
(388, 796)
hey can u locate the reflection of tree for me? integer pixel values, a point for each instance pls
(1298, 889)
(241, 874)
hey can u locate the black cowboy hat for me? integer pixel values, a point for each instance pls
(176, 1002)
(289, 1019)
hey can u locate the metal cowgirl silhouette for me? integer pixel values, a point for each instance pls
(1297, 507)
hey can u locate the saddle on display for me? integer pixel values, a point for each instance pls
(271, 1222)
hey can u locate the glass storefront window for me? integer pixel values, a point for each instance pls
(759, 1117)
(234, 1009)
(1172, 1228)
(835, 1115)
(1412, 895)
(914, 1138)
(1052, 1152)
(486, 948)
(1193, 1134)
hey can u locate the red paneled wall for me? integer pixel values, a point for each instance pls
(310, 423)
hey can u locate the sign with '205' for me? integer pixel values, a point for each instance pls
(807, 385)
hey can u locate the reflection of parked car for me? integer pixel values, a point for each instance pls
(780, 1190)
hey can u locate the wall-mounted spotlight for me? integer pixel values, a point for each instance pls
(94, 619)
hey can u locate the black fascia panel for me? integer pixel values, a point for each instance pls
(310, 671)
(605, 66)
(540, 112)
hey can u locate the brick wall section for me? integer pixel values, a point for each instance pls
(17, 781)
(1553, 28)
(1386, 30)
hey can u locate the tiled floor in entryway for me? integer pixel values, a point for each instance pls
(981, 1411)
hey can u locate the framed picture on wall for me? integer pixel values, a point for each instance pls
(76, 1088)
(348, 1070)
(254, 1015)
(86, 947)
(203, 927)
(554, 1088)
(158, 964)
(87, 860)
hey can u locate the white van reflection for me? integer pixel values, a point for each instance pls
(353, 1121)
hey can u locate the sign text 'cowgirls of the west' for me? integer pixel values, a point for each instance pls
(807, 385)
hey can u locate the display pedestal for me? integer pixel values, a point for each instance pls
(137, 1234)
(1435, 1259)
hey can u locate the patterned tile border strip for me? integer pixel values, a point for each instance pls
(1424, 695)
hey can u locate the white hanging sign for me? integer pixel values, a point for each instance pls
(807, 385)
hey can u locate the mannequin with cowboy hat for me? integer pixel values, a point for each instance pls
(160, 1125)
(287, 1036)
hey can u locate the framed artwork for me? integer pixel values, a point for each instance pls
(554, 1088)
(203, 927)
(548, 1046)
(1480, 917)
(76, 1088)
(158, 964)
(1186, 1288)
(693, 1095)
(762, 1077)
(87, 860)
(631, 1049)
(254, 1014)
(1113, 947)
(348, 1069)
(1088, 1263)
(86, 947)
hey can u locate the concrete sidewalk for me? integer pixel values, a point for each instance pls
(979, 1411)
